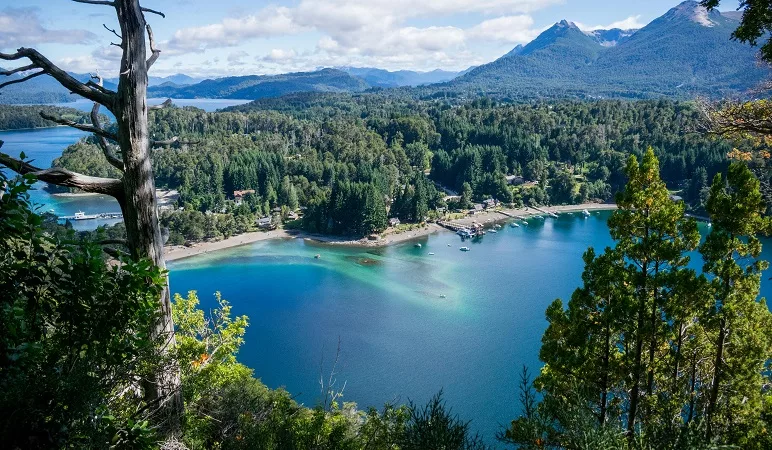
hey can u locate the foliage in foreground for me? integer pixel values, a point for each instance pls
(648, 354)
(75, 338)
(74, 335)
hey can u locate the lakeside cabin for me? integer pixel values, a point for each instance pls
(393, 222)
(238, 196)
(265, 223)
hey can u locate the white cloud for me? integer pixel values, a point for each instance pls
(21, 27)
(510, 29)
(383, 33)
(631, 23)
(278, 55)
(231, 32)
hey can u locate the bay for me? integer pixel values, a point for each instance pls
(399, 338)
(41, 146)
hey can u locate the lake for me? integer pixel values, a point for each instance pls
(399, 338)
(43, 145)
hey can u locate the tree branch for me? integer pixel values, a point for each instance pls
(79, 126)
(112, 30)
(95, 2)
(65, 79)
(152, 11)
(173, 141)
(163, 105)
(113, 160)
(156, 52)
(66, 178)
(22, 80)
(17, 70)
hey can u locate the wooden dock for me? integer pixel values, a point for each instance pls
(551, 214)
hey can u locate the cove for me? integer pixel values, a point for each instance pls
(399, 338)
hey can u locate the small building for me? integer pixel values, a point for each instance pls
(238, 196)
(490, 203)
(515, 180)
(393, 222)
(265, 223)
(292, 215)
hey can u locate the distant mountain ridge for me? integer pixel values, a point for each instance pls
(254, 87)
(383, 78)
(686, 52)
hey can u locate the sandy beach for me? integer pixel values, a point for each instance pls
(388, 237)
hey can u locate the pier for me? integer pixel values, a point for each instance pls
(551, 214)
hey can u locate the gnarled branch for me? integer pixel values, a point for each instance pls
(113, 160)
(152, 11)
(156, 52)
(17, 70)
(80, 126)
(175, 140)
(22, 80)
(163, 105)
(66, 178)
(96, 2)
(41, 62)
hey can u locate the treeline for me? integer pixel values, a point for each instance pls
(321, 152)
(14, 117)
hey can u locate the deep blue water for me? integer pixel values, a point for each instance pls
(399, 339)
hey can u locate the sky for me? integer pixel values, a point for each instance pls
(214, 38)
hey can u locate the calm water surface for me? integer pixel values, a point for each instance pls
(44, 145)
(399, 339)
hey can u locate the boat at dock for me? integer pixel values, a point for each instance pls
(80, 215)
(514, 225)
(418, 246)
(586, 213)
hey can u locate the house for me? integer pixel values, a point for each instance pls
(515, 180)
(393, 222)
(265, 223)
(292, 215)
(238, 196)
(478, 208)
(490, 203)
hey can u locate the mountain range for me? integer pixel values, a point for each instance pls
(686, 52)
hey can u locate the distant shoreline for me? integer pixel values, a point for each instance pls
(178, 252)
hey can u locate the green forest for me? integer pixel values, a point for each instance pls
(352, 161)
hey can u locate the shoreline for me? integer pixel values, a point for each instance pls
(391, 236)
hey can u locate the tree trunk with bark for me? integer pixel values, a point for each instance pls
(135, 191)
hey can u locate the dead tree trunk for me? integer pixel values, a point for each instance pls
(135, 191)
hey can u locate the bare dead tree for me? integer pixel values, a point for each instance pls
(135, 190)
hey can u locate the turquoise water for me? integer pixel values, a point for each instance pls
(399, 339)
(42, 146)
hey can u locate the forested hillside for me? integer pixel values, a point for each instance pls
(353, 161)
(23, 117)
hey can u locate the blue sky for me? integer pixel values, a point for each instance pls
(210, 38)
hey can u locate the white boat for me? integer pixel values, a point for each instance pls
(418, 246)
(431, 253)
(586, 213)
(525, 223)
(80, 215)
(514, 225)
(494, 231)
(442, 295)
(710, 224)
(464, 249)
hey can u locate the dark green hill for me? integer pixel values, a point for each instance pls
(262, 86)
